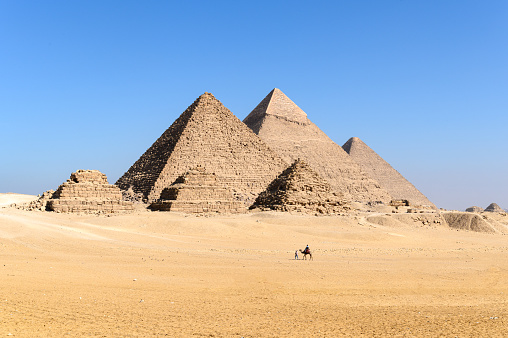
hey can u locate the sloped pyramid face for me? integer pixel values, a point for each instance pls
(493, 207)
(286, 129)
(379, 169)
(207, 134)
(299, 188)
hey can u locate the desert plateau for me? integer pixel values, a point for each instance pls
(145, 273)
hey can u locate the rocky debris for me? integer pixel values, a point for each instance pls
(40, 204)
(198, 192)
(286, 129)
(299, 188)
(493, 207)
(380, 170)
(88, 191)
(474, 209)
(399, 203)
(206, 134)
(467, 221)
(131, 196)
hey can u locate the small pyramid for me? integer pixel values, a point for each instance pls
(206, 134)
(474, 209)
(299, 188)
(389, 178)
(197, 191)
(493, 207)
(88, 191)
(286, 129)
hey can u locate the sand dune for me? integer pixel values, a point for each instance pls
(156, 274)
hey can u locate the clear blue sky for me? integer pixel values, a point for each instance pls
(92, 84)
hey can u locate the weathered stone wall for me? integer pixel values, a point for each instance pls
(287, 130)
(474, 209)
(88, 191)
(206, 134)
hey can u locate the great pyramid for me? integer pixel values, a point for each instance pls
(207, 134)
(379, 169)
(196, 192)
(299, 188)
(286, 129)
(493, 207)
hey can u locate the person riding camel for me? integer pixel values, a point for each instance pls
(307, 250)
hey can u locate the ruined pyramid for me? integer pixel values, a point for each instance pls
(493, 207)
(299, 188)
(286, 129)
(207, 134)
(196, 192)
(379, 169)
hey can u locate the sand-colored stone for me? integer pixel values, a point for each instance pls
(300, 188)
(88, 191)
(198, 192)
(286, 129)
(493, 207)
(474, 209)
(468, 221)
(207, 134)
(389, 178)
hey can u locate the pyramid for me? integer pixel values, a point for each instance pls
(299, 188)
(493, 207)
(88, 191)
(197, 191)
(286, 129)
(389, 178)
(207, 134)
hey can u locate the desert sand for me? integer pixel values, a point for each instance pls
(167, 274)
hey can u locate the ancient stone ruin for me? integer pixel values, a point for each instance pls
(493, 207)
(197, 192)
(286, 129)
(300, 188)
(389, 178)
(474, 209)
(206, 134)
(88, 191)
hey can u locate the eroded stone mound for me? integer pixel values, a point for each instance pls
(196, 192)
(493, 207)
(88, 191)
(40, 204)
(467, 221)
(474, 209)
(300, 188)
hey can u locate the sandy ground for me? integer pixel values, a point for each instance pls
(164, 274)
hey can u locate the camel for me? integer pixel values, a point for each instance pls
(306, 253)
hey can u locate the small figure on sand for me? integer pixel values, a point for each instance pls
(306, 252)
(296, 254)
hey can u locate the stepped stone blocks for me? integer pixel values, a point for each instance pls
(206, 134)
(474, 209)
(88, 191)
(493, 207)
(197, 192)
(299, 188)
(286, 129)
(389, 178)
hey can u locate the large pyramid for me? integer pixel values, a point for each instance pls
(379, 169)
(207, 134)
(286, 129)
